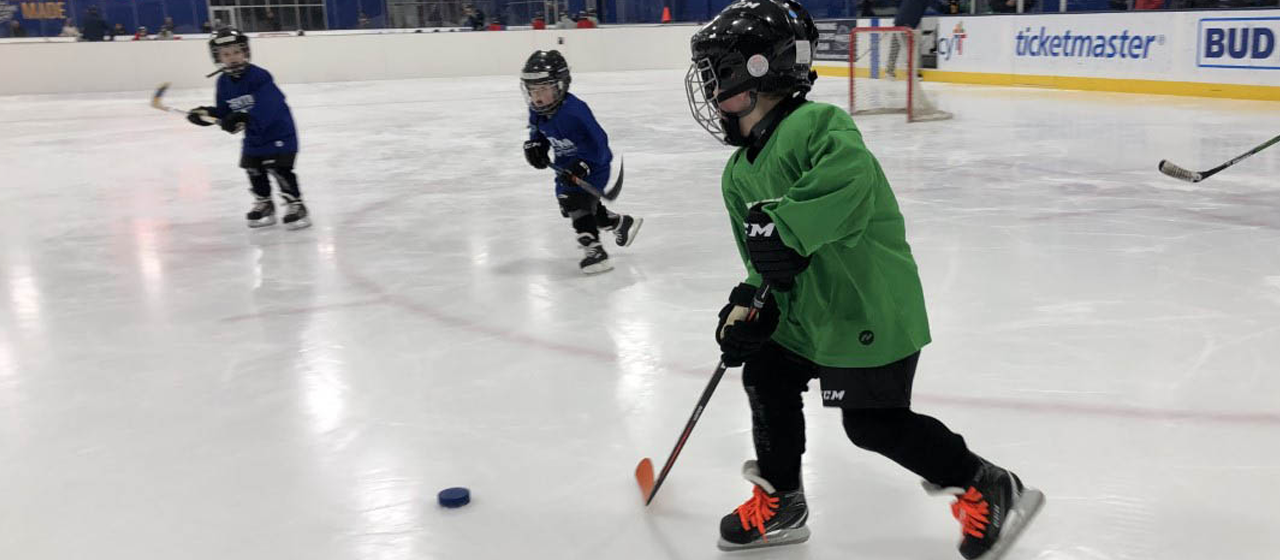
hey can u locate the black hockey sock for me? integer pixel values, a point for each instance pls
(586, 223)
(920, 443)
(777, 430)
(773, 386)
(288, 183)
(605, 218)
(259, 183)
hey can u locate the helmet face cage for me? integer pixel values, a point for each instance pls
(700, 85)
(225, 39)
(530, 79)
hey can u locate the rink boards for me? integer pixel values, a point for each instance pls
(1213, 54)
(1217, 54)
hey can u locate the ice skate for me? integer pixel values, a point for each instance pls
(595, 260)
(262, 214)
(993, 511)
(769, 518)
(296, 217)
(625, 232)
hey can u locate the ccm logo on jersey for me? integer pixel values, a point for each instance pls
(760, 230)
(833, 395)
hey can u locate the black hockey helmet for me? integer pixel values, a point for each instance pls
(545, 67)
(761, 46)
(228, 36)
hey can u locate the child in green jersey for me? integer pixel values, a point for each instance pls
(815, 218)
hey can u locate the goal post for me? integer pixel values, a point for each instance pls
(884, 76)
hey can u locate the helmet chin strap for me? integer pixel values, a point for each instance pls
(234, 73)
(761, 132)
(729, 122)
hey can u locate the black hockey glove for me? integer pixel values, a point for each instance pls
(235, 122)
(775, 262)
(200, 116)
(576, 170)
(535, 152)
(740, 339)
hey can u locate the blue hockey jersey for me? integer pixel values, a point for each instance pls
(574, 134)
(271, 129)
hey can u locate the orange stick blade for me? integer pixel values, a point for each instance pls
(644, 476)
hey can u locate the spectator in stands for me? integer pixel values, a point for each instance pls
(363, 21)
(475, 18)
(909, 14)
(166, 30)
(1010, 6)
(69, 29)
(95, 28)
(585, 21)
(1148, 4)
(866, 9)
(565, 22)
(142, 34)
(16, 30)
(272, 23)
(118, 31)
(205, 27)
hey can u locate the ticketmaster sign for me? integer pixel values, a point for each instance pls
(1124, 44)
(1211, 47)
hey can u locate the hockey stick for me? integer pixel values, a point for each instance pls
(157, 103)
(1168, 168)
(644, 471)
(610, 192)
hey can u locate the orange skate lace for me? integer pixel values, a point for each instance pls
(757, 510)
(970, 509)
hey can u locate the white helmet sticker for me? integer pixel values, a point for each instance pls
(757, 65)
(804, 52)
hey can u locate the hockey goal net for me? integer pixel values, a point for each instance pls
(883, 74)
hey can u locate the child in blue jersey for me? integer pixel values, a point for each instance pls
(559, 120)
(248, 101)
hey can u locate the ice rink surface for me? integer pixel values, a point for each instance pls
(174, 385)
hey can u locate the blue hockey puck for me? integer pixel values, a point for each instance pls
(454, 497)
